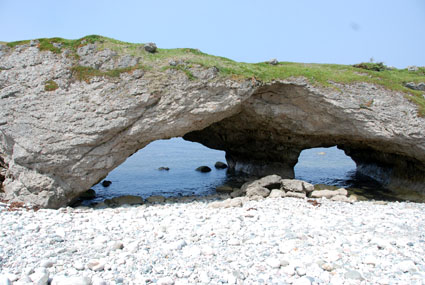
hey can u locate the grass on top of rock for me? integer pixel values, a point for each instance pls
(318, 74)
(84, 73)
(56, 45)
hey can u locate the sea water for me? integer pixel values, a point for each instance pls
(140, 174)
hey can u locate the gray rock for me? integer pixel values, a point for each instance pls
(273, 61)
(269, 182)
(237, 193)
(150, 47)
(416, 86)
(275, 193)
(324, 194)
(294, 185)
(353, 274)
(34, 43)
(256, 190)
(126, 199)
(4, 48)
(295, 195)
(86, 49)
(412, 68)
(127, 61)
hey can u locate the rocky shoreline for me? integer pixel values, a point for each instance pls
(189, 240)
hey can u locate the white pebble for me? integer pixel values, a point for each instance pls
(302, 281)
(74, 280)
(4, 280)
(273, 262)
(165, 281)
(40, 276)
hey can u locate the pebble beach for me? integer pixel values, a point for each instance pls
(186, 241)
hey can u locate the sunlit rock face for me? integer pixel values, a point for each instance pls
(55, 144)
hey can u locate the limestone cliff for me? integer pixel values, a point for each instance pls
(72, 111)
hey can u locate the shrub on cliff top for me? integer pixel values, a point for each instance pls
(374, 66)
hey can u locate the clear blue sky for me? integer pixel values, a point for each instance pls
(321, 31)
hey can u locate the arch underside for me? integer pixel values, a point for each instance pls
(267, 139)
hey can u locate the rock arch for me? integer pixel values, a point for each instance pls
(55, 144)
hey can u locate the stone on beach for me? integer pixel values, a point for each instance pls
(71, 280)
(205, 239)
(294, 185)
(276, 193)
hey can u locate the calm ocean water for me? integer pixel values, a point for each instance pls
(139, 175)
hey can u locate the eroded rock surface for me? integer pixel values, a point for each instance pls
(56, 144)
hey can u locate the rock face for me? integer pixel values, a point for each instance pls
(56, 144)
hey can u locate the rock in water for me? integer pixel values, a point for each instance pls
(122, 200)
(106, 183)
(203, 169)
(88, 195)
(164, 168)
(224, 189)
(156, 199)
(220, 165)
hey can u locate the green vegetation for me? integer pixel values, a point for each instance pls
(84, 73)
(57, 45)
(375, 66)
(318, 74)
(50, 85)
